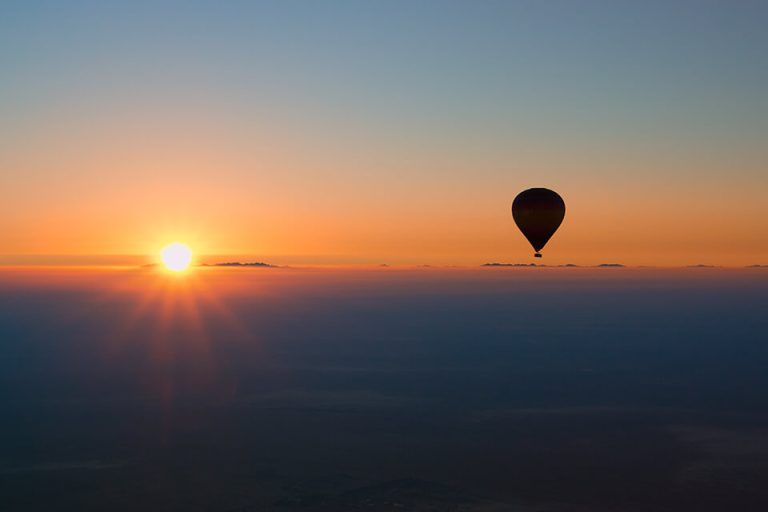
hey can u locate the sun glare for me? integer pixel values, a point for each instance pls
(176, 256)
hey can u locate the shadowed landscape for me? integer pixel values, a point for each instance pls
(244, 389)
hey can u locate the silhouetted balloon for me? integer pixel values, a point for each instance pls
(538, 212)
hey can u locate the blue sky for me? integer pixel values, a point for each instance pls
(614, 93)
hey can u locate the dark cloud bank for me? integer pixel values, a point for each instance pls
(421, 390)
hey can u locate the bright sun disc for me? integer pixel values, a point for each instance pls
(176, 256)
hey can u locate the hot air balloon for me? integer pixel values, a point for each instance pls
(538, 212)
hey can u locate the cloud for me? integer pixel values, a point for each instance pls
(510, 265)
(240, 264)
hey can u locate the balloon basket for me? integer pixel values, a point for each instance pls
(537, 255)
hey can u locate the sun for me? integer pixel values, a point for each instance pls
(176, 256)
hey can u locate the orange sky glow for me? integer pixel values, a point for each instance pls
(315, 154)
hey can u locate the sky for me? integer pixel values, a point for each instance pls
(371, 132)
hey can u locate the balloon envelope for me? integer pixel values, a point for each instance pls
(538, 212)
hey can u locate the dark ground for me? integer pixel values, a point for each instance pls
(544, 390)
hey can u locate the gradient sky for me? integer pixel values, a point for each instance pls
(395, 131)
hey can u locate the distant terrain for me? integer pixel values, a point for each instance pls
(482, 390)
